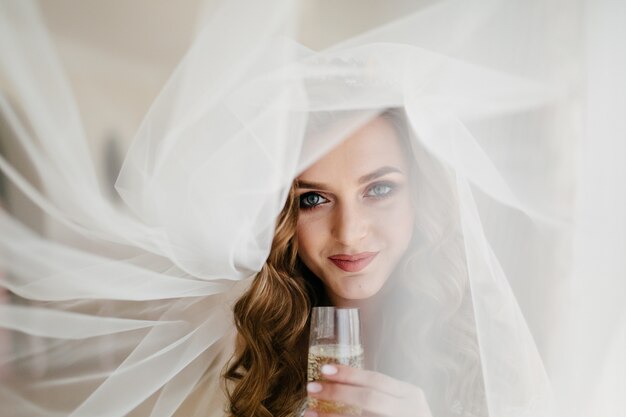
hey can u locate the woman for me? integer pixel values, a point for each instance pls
(142, 327)
(361, 229)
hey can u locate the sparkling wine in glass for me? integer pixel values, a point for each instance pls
(335, 339)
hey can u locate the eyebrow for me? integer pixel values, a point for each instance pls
(378, 173)
(365, 178)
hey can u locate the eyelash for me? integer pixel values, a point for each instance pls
(304, 206)
(391, 189)
(391, 186)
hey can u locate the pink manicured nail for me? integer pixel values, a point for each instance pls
(313, 387)
(329, 370)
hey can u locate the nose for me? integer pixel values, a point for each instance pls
(350, 224)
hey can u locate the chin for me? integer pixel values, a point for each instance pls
(358, 292)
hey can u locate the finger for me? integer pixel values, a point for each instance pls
(361, 377)
(366, 398)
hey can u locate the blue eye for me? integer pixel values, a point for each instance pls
(380, 190)
(311, 200)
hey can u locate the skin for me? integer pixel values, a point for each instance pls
(357, 200)
(375, 393)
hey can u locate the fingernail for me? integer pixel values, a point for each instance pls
(329, 370)
(313, 387)
(310, 413)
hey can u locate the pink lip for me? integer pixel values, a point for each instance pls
(353, 263)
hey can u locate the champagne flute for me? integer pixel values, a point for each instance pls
(335, 339)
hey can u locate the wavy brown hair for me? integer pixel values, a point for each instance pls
(267, 374)
(269, 365)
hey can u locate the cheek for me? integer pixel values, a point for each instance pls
(311, 242)
(397, 224)
(309, 237)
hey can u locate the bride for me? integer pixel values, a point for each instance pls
(424, 171)
(364, 227)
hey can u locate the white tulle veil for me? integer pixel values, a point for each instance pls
(519, 102)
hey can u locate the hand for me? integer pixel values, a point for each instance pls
(376, 394)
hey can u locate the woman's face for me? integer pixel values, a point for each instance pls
(356, 217)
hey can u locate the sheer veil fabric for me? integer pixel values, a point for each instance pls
(518, 104)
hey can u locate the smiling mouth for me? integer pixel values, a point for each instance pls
(353, 263)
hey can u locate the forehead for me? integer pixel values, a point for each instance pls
(374, 145)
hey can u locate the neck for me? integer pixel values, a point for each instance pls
(370, 317)
(367, 307)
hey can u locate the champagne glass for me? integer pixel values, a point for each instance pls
(335, 339)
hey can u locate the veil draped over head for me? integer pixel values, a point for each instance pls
(519, 103)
